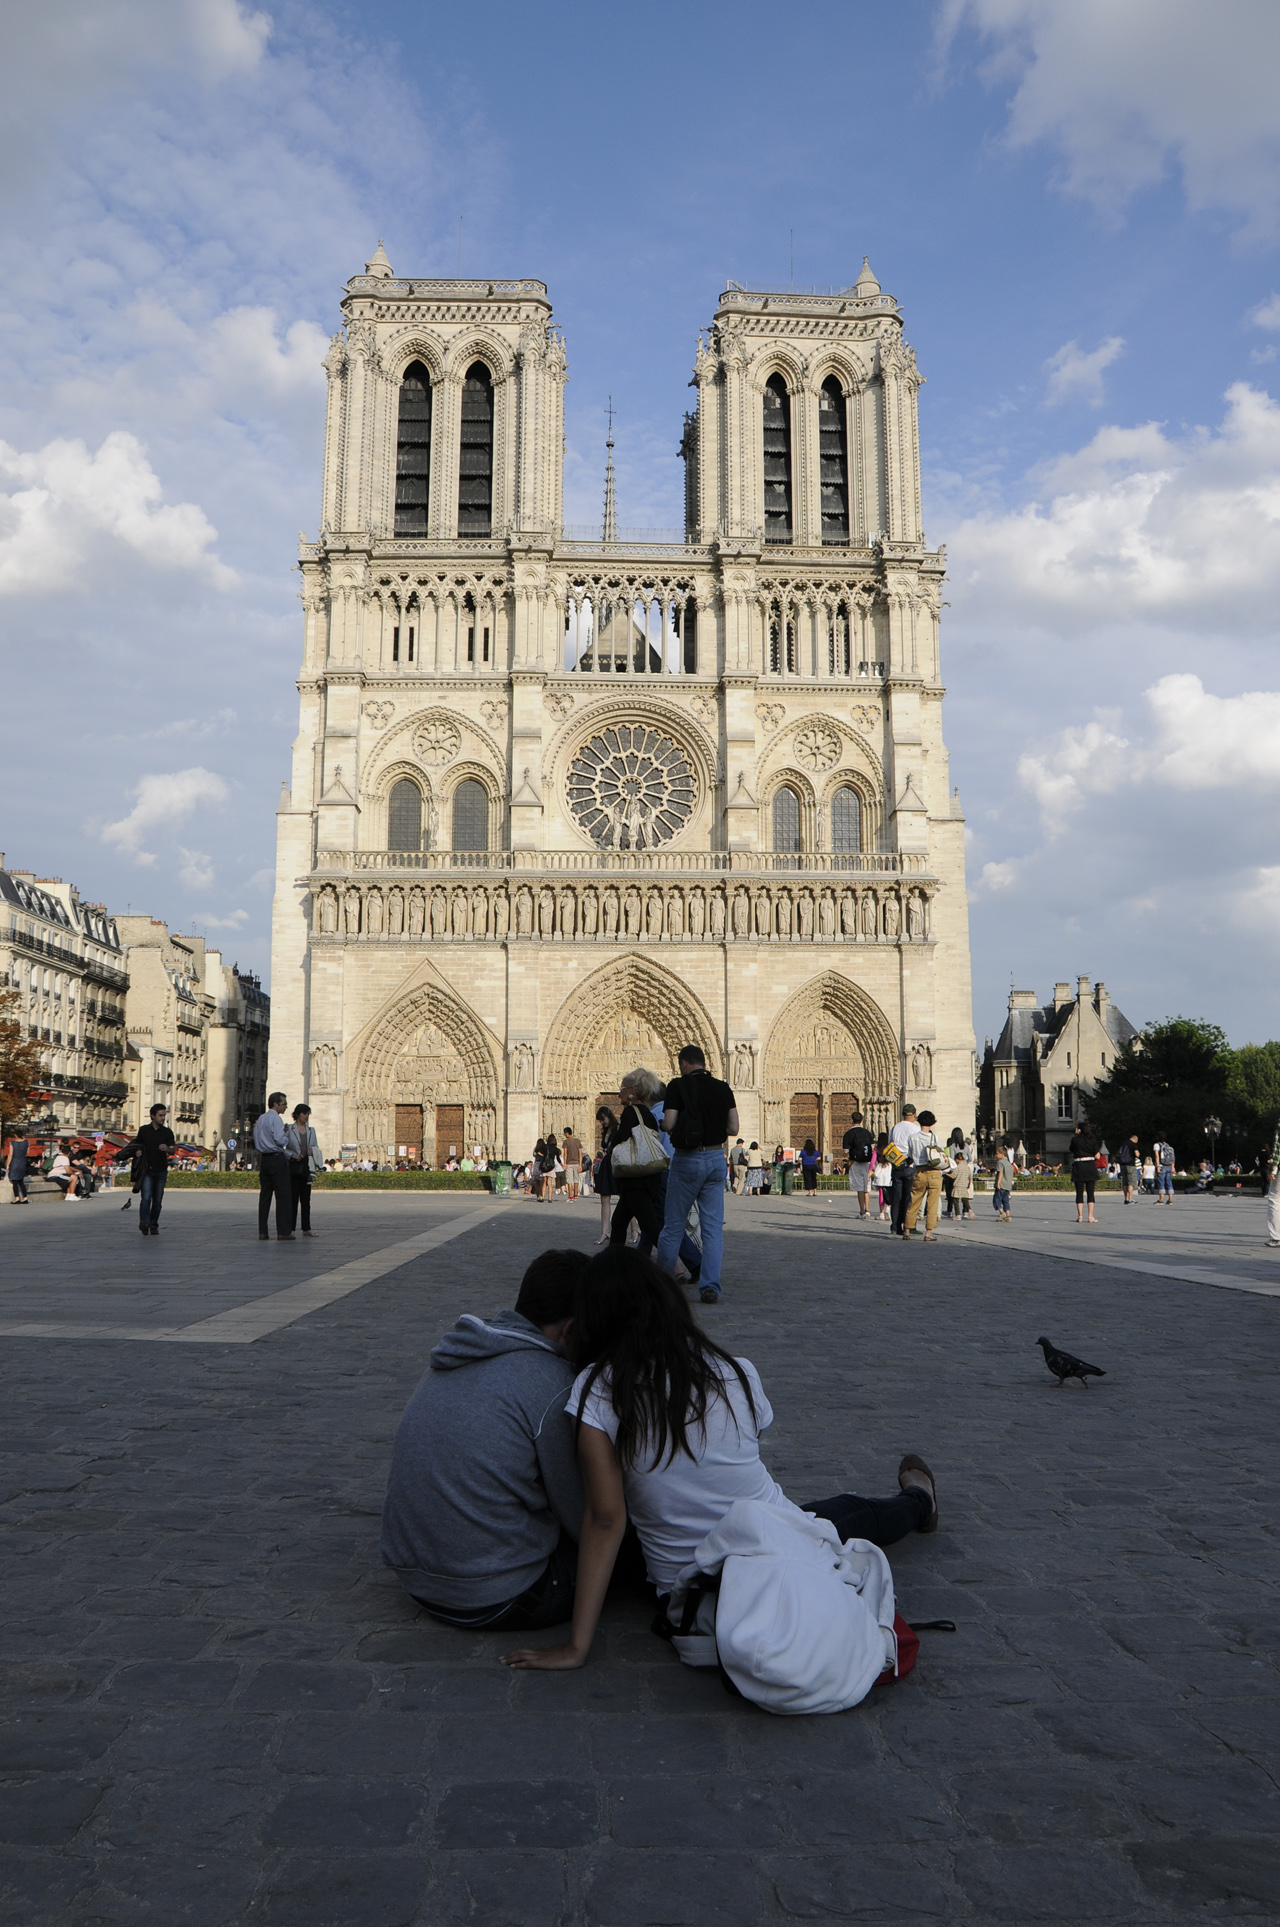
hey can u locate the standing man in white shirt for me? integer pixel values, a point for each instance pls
(906, 1135)
(273, 1169)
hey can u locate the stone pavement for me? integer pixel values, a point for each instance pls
(219, 1708)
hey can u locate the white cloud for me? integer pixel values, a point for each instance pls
(994, 877)
(234, 920)
(1139, 525)
(64, 500)
(1198, 742)
(1127, 90)
(161, 802)
(197, 871)
(1074, 375)
(1266, 314)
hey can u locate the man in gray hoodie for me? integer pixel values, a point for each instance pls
(484, 1501)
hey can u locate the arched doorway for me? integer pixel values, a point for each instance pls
(630, 1013)
(426, 1079)
(831, 1051)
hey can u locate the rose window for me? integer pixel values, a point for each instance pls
(631, 788)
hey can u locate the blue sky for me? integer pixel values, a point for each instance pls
(1077, 203)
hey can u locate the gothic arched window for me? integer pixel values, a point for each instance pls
(777, 460)
(846, 822)
(404, 816)
(413, 451)
(786, 822)
(475, 459)
(834, 455)
(471, 816)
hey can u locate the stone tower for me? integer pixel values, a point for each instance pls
(560, 805)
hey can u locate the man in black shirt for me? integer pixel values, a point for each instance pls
(151, 1149)
(1127, 1159)
(860, 1148)
(700, 1113)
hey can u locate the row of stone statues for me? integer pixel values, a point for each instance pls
(760, 912)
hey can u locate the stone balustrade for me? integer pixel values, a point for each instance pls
(663, 862)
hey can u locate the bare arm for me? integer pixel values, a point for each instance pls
(604, 1521)
(733, 1123)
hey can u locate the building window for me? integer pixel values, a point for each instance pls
(404, 816)
(846, 821)
(471, 816)
(413, 451)
(687, 630)
(777, 460)
(1065, 1094)
(786, 822)
(475, 460)
(395, 645)
(834, 457)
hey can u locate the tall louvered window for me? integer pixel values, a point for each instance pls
(475, 463)
(786, 822)
(404, 816)
(413, 451)
(833, 444)
(777, 460)
(846, 822)
(471, 816)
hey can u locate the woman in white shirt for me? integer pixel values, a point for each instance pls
(668, 1431)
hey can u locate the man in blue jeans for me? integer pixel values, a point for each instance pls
(152, 1147)
(700, 1113)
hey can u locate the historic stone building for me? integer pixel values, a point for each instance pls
(559, 805)
(1038, 1077)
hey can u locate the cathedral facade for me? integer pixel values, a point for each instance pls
(561, 803)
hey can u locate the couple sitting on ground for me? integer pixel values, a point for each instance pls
(534, 1436)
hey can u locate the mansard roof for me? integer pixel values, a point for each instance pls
(1046, 1022)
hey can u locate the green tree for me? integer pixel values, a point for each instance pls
(1253, 1082)
(1164, 1083)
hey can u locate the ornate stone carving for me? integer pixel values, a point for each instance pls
(818, 746)
(631, 787)
(742, 1067)
(704, 706)
(494, 711)
(379, 714)
(521, 1071)
(559, 702)
(437, 741)
(866, 717)
(771, 715)
(324, 1068)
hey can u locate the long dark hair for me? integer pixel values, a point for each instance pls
(633, 1323)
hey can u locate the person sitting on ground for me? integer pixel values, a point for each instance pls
(484, 1499)
(668, 1429)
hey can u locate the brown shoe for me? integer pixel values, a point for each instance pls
(284, 1238)
(265, 1237)
(308, 1234)
(914, 1475)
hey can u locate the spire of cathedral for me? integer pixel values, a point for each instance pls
(866, 283)
(610, 502)
(379, 265)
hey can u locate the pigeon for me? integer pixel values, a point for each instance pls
(1064, 1366)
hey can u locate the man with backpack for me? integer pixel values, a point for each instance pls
(859, 1148)
(1165, 1165)
(700, 1114)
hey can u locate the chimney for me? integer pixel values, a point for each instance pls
(1082, 988)
(1061, 995)
(1022, 1000)
(1101, 997)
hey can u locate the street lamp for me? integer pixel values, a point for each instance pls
(1212, 1128)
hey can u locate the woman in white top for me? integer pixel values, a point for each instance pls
(668, 1430)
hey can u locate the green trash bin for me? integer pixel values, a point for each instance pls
(788, 1172)
(500, 1177)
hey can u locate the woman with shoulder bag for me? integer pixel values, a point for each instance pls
(637, 1172)
(926, 1186)
(601, 1173)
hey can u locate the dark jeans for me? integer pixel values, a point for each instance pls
(882, 1521)
(273, 1181)
(641, 1199)
(547, 1602)
(904, 1177)
(300, 1188)
(151, 1197)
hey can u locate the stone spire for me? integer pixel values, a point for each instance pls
(379, 264)
(866, 284)
(610, 502)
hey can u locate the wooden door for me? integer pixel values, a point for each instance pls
(449, 1142)
(806, 1118)
(841, 1107)
(409, 1131)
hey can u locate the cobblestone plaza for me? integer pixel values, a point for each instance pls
(220, 1708)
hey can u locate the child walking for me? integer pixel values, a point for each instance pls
(1006, 1175)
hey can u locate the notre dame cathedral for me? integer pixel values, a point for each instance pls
(563, 800)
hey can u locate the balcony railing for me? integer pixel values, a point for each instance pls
(660, 862)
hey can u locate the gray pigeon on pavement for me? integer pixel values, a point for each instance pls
(1064, 1366)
